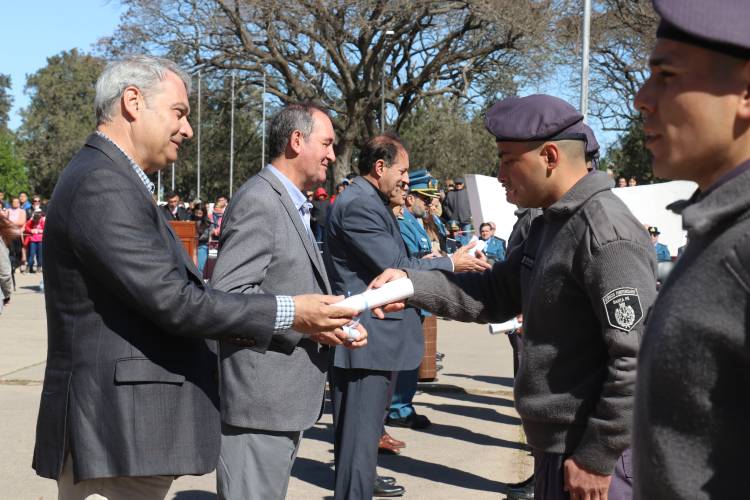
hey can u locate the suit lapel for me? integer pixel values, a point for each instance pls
(121, 160)
(391, 220)
(310, 247)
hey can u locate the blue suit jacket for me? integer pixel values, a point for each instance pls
(362, 240)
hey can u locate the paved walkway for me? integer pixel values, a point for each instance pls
(474, 445)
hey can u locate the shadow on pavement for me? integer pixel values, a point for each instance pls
(477, 398)
(485, 414)
(505, 381)
(318, 433)
(439, 473)
(194, 495)
(314, 472)
(455, 432)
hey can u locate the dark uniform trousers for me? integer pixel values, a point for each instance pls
(549, 477)
(362, 394)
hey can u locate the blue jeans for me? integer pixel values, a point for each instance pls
(320, 232)
(406, 387)
(202, 256)
(35, 251)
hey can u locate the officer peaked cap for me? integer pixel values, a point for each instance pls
(420, 181)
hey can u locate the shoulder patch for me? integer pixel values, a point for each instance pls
(622, 306)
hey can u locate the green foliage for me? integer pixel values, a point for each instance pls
(13, 178)
(629, 156)
(59, 117)
(6, 101)
(442, 138)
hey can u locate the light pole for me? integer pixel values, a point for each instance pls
(172, 176)
(387, 34)
(263, 125)
(231, 141)
(585, 59)
(199, 136)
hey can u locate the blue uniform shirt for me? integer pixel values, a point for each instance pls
(495, 249)
(414, 236)
(441, 227)
(662, 253)
(464, 238)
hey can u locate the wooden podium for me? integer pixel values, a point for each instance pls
(187, 232)
(428, 368)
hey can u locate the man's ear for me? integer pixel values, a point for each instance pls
(379, 168)
(550, 155)
(132, 103)
(743, 107)
(295, 142)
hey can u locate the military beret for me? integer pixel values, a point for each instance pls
(420, 181)
(536, 117)
(592, 147)
(719, 25)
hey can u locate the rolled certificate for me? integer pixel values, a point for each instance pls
(393, 291)
(506, 327)
(479, 247)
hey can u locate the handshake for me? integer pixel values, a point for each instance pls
(332, 321)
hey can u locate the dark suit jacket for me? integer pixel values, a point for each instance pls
(265, 249)
(129, 386)
(363, 240)
(181, 214)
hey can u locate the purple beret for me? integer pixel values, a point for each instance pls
(592, 147)
(536, 117)
(719, 25)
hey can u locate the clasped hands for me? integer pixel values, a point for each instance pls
(321, 320)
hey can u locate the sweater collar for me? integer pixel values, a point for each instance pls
(721, 202)
(589, 185)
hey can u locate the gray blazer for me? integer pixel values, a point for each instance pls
(363, 240)
(265, 249)
(130, 385)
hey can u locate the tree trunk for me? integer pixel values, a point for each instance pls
(343, 164)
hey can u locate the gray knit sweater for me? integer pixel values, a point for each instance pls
(692, 411)
(584, 279)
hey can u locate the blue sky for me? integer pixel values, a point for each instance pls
(33, 30)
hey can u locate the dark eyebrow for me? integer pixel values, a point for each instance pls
(659, 61)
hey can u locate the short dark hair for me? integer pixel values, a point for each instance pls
(485, 224)
(381, 147)
(171, 194)
(295, 116)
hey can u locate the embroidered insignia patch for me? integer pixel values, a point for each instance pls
(623, 308)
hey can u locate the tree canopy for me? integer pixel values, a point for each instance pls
(348, 55)
(6, 101)
(60, 115)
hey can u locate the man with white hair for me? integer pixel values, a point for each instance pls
(130, 398)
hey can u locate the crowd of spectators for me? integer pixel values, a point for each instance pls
(26, 217)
